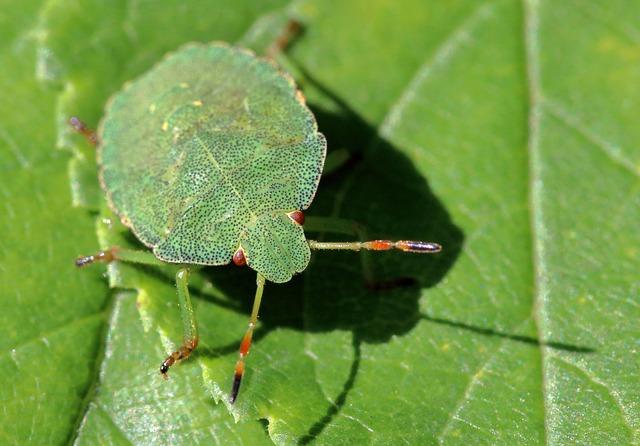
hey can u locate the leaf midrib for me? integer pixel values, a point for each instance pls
(532, 68)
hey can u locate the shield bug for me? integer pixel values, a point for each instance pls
(211, 157)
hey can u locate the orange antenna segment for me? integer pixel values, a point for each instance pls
(380, 245)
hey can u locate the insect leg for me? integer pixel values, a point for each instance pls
(85, 131)
(124, 255)
(189, 326)
(245, 344)
(286, 36)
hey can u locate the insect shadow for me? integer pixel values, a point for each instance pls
(380, 188)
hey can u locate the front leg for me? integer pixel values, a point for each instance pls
(190, 329)
(120, 254)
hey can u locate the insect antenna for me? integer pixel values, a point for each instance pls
(245, 344)
(413, 246)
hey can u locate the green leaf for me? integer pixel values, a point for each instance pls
(52, 318)
(134, 406)
(506, 131)
(522, 120)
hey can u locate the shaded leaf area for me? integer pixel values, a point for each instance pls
(521, 332)
(401, 364)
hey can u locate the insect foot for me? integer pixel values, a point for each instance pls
(182, 353)
(80, 127)
(103, 256)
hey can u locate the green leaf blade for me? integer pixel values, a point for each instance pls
(135, 405)
(52, 317)
(593, 301)
(503, 130)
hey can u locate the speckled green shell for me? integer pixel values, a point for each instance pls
(208, 152)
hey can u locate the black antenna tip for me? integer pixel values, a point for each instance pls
(237, 379)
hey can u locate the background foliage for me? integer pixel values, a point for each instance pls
(505, 130)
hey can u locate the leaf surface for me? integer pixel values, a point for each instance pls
(55, 318)
(52, 319)
(529, 338)
(503, 130)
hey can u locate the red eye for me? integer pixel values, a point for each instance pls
(239, 258)
(297, 216)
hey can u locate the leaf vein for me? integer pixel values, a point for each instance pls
(445, 51)
(532, 76)
(109, 418)
(475, 379)
(45, 334)
(14, 148)
(614, 395)
(612, 151)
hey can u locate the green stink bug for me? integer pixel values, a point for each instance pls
(211, 157)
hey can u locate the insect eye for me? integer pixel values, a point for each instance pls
(297, 216)
(238, 258)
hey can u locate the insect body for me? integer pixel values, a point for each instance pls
(210, 158)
